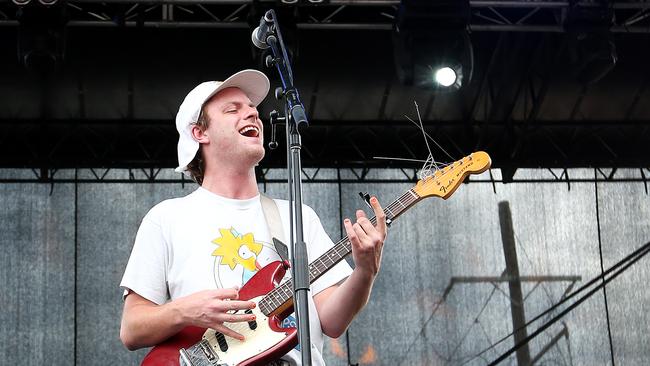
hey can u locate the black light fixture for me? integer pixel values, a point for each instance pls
(41, 35)
(431, 45)
(592, 51)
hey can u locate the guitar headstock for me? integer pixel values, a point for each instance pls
(445, 181)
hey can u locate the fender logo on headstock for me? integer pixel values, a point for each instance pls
(447, 179)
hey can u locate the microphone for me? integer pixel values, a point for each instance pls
(260, 33)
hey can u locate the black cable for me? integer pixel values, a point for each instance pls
(76, 251)
(644, 247)
(602, 269)
(568, 309)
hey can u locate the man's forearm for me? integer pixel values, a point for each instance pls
(338, 305)
(146, 324)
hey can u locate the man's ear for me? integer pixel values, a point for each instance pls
(199, 135)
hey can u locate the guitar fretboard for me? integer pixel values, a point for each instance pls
(284, 292)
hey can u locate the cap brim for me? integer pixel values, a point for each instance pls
(252, 82)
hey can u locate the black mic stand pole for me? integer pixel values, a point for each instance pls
(294, 116)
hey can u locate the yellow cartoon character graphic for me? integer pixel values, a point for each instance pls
(238, 250)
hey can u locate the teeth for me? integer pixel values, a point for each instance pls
(249, 128)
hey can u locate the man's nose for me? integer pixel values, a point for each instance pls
(251, 112)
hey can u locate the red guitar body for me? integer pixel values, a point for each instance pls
(265, 280)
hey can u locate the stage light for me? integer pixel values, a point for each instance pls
(431, 46)
(289, 1)
(443, 61)
(21, 2)
(48, 2)
(445, 76)
(591, 56)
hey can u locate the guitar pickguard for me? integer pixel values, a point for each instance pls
(265, 339)
(261, 336)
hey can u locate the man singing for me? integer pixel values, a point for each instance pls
(192, 254)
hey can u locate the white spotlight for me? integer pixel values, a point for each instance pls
(21, 2)
(445, 76)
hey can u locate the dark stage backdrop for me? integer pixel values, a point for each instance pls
(437, 301)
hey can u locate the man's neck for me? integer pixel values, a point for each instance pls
(231, 183)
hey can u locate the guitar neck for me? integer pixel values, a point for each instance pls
(278, 297)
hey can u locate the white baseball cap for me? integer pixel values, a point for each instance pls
(252, 82)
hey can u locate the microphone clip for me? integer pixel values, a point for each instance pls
(274, 119)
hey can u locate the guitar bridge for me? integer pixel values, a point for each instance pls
(200, 354)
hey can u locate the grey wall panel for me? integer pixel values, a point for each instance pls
(440, 240)
(421, 311)
(556, 235)
(37, 274)
(109, 216)
(625, 226)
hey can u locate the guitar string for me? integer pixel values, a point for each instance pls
(313, 268)
(342, 243)
(276, 299)
(406, 200)
(410, 199)
(426, 167)
(430, 160)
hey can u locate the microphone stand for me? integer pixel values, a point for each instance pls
(294, 116)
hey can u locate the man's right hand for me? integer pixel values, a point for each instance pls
(146, 324)
(213, 308)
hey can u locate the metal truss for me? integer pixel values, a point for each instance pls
(511, 143)
(516, 16)
(265, 176)
(143, 144)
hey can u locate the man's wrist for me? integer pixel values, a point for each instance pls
(364, 274)
(176, 313)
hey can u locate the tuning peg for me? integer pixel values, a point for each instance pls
(366, 198)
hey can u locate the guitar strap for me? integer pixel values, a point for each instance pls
(274, 223)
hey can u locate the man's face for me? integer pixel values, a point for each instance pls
(235, 130)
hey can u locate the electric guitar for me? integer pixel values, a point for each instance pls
(265, 340)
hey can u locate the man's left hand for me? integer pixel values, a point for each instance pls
(367, 239)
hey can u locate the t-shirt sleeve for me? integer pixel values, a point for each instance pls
(145, 273)
(319, 242)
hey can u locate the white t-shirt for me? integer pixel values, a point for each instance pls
(205, 241)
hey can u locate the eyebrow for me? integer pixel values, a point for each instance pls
(236, 104)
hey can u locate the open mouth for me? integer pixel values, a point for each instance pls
(250, 131)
